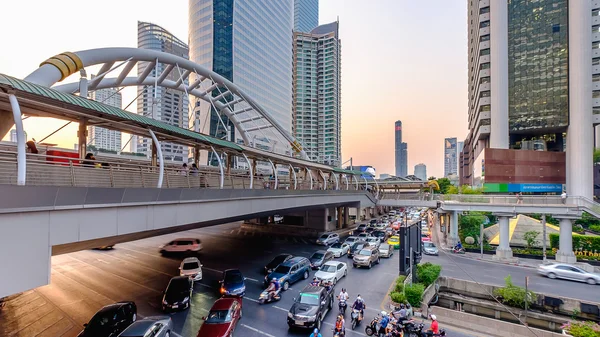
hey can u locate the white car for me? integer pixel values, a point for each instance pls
(339, 249)
(568, 272)
(332, 271)
(373, 241)
(350, 240)
(182, 246)
(191, 267)
(363, 236)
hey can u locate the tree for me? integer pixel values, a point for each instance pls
(444, 184)
(596, 155)
(531, 238)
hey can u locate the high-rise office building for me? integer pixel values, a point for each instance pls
(100, 137)
(306, 15)
(250, 45)
(450, 156)
(530, 85)
(401, 151)
(166, 105)
(459, 150)
(13, 135)
(317, 93)
(421, 171)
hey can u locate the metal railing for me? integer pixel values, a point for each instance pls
(49, 170)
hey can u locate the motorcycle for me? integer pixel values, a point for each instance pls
(458, 250)
(343, 305)
(337, 333)
(411, 329)
(265, 298)
(355, 318)
(373, 327)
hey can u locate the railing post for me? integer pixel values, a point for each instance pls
(274, 173)
(21, 140)
(110, 173)
(251, 171)
(142, 176)
(295, 178)
(72, 169)
(222, 180)
(161, 163)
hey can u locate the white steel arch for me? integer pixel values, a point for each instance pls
(61, 66)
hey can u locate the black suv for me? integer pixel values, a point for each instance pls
(111, 320)
(310, 307)
(356, 247)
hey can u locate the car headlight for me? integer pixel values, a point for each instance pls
(282, 279)
(290, 315)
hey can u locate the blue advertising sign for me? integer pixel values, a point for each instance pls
(540, 188)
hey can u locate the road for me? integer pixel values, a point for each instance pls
(84, 281)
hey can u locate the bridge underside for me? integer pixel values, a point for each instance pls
(57, 220)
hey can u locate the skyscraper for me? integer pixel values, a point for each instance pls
(459, 150)
(166, 105)
(99, 137)
(421, 171)
(317, 93)
(530, 88)
(401, 151)
(249, 44)
(306, 15)
(450, 156)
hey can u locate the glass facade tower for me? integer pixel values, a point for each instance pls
(306, 15)
(166, 105)
(247, 42)
(100, 137)
(401, 151)
(450, 156)
(317, 93)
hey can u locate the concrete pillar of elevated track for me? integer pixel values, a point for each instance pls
(340, 217)
(82, 134)
(565, 249)
(346, 217)
(6, 123)
(321, 220)
(504, 252)
(452, 229)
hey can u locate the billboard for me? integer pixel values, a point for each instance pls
(367, 168)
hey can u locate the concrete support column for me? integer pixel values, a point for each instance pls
(453, 229)
(580, 133)
(499, 73)
(340, 217)
(504, 251)
(346, 216)
(565, 252)
(82, 134)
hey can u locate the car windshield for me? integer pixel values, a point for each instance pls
(384, 246)
(337, 245)
(358, 246)
(310, 299)
(234, 277)
(278, 259)
(394, 239)
(282, 269)
(190, 265)
(102, 320)
(428, 245)
(328, 269)
(365, 252)
(218, 317)
(324, 236)
(316, 256)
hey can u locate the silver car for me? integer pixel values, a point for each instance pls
(429, 248)
(327, 239)
(568, 272)
(156, 326)
(385, 250)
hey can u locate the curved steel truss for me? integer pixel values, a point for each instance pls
(170, 71)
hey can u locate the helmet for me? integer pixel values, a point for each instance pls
(316, 330)
(433, 317)
(383, 313)
(314, 278)
(274, 279)
(402, 306)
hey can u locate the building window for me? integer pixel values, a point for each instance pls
(484, 66)
(484, 24)
(596, 78)
(596, 29)
(484, 10)
(484, 38)
(484, 108)
(596, 12)
(596, 94)
(596, 61)
(485, 52)
(485, 93)
(484, 80)
(596, 45)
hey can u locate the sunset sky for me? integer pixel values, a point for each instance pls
(401, 60)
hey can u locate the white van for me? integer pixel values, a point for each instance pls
(182, 246)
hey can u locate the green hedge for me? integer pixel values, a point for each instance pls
(398, 297)
(427, 273)
(580, 242)
(513, 295)
(595, 228)
(414, 294)
(400, 285)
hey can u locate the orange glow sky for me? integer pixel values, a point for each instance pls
(401, 60)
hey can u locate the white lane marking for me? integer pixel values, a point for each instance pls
(131, 256)
(251, 299)
(105, 262)
(280, 308)
(253, 280)
(213, 270)
(256, 330)
(233, 230)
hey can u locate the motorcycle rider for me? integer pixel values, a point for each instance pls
(435, 328)
(458, 246)
(315, 333)
(343, 297)
(273, 288)
(385, 320)
(359, 305)
(315, 282)
(340, 325)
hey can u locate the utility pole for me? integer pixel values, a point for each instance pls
(481, 239)
(544, 237)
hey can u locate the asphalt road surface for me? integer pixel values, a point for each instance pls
(84, 281)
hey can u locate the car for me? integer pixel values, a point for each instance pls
(372, 222)
(181, 246)
(429, 248)
(385, 250)
(191, 267)
(327, 239)
(363, 236)
(369, 230)
(277, 260)
(222, 318)
(233, 283)
(310, 307)
(392, 213)
(178, 294)
(339, 249)
(155, 326)
(394, 241)
(568, 272)
(351, 239)
(373, 241)
(381, 235)
(289, 272)
(366, 257)
(358, 245)
(332, 271)
(425, 237)
(111, 320)
(319, 258)
(396, 225)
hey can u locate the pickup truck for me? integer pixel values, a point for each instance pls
(310, 307)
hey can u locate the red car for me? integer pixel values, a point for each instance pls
(396, 225)
(222, 318)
